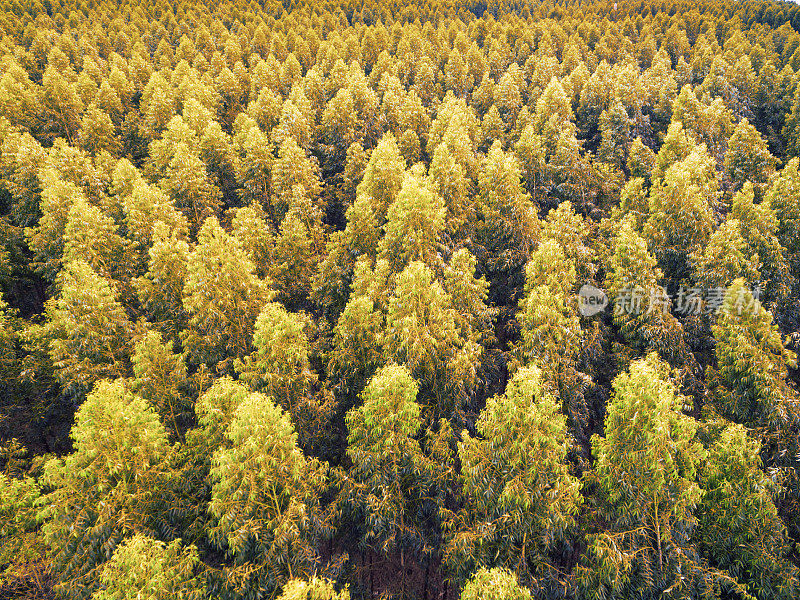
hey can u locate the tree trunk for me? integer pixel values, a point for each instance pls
(427, 576)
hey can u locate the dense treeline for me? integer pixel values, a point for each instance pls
(297, 300)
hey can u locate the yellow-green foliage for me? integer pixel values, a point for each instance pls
(303, 279)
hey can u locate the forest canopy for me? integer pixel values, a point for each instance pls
(463, 299)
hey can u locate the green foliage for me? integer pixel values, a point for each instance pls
(357, 346)
(97, 132)
(313, 589)
(158, 376)
(222, 296)
(646, 470)
(383, 177)
(160, 289)
(681, 217)
(279, 366)
(142, 566)
(292, 168)
(779, 198)
(255, 235)
(91, 237)
(394, 483)
(422, 332)
(19, 540)
(112, 486)
(46, 238)
(88, 330)
(641, 307)
(739, 529)
(752, 361)
(748, 158)
(297, 250)
(725, 258)
(759, 225)
(262, 515)
(551, 331)
(144, 207)
(520, 501)
(494, 584)
(509, 226)
(308, 197)
(414, 222)
(189, 186)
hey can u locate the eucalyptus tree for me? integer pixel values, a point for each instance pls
(520, 500)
